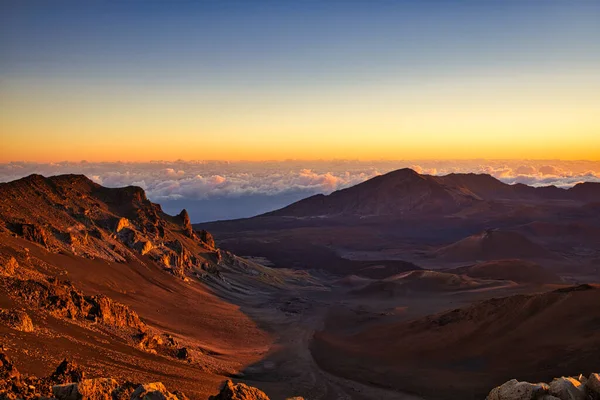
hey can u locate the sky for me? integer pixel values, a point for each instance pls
(135, 81)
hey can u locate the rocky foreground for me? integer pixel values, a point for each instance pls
(68, 382)
(564, 388)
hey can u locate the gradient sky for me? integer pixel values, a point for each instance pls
(246, 80)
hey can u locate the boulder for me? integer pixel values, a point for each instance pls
(16, 319)
(67, 372)
(7, 369)
(515, 390)
(88, 389)
(567, 388)
(9, 266)
(593, 384)
(152, 391)
(239, 391)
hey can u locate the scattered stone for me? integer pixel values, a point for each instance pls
(239, 391)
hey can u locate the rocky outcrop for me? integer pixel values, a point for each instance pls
(187, 224)
(564, 388)
(121, 224)
(63, 299)
(239, 391)
(16, 319)
(67, 372)
(7, 368)
(92, 389)
(68, 383)
(207, 238)
(152, 391)
(33, 233)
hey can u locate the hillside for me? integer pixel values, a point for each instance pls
(103, 277)
(473, 349)
(493, 245)
(519, 271)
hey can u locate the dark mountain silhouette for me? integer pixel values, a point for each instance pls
(404, 191)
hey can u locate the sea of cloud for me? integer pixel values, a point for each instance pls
(205, 182)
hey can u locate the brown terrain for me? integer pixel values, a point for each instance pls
(406, 286)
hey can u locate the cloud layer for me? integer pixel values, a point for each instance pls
(198, 180)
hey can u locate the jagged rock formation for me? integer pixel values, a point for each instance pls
(63, 299)
(564, 388)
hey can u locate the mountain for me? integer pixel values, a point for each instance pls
(423, 220)
(395, 193)
(404, 192)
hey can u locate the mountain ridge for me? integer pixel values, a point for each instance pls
(405, 191)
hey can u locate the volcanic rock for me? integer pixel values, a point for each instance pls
(567, 389)
(515, 390)
(7, 369)
(89, 389)
(593, 384)
(239, 391)
(67, 372)
(207, 238)
(33, 233)
(9, 266)
(152, 391)
(16, 319)
(187, 224)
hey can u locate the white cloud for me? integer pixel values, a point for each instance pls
(202, 180)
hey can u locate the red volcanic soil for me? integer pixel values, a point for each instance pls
(493, 245)
(519, 271)
(463, 353)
